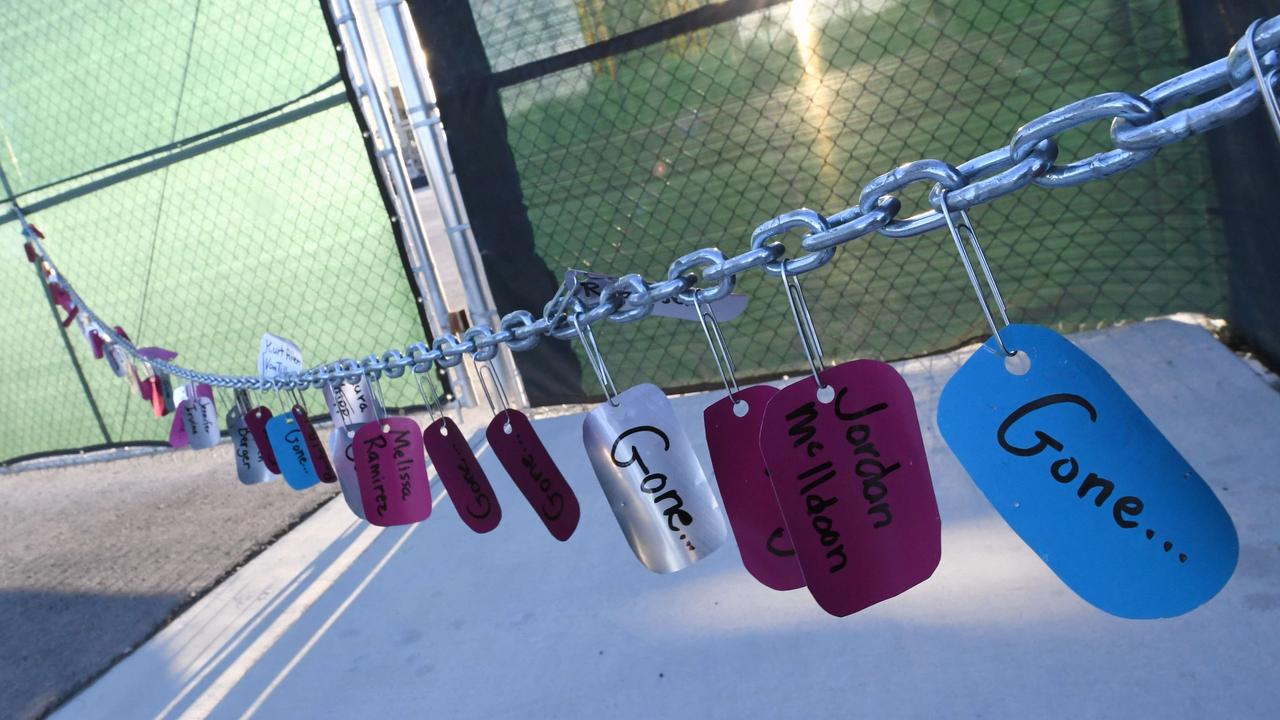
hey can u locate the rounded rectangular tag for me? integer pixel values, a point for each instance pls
(315, 448)
(250, 468)
(526, 459)
(278, 356)
(653, 480)
(257, 420)
(392, 471)
(199, 418)
(463, 478)
(1085, 478)
(352, 404)
(853, 482)
(344, 466)
(749, 501)
(290, 449)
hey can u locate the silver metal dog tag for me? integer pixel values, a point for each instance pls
(352, 405)
(653, 480)
(343, 454)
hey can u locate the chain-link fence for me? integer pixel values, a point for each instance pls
(201, 178)
(630, 159)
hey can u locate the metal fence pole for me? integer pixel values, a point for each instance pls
(393, 161)
(425, 121)
(48, 296)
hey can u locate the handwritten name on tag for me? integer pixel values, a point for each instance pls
(257, 420)
(653, 480)
(199, 421)
(250, 468)
(290, 449)
(463, 478)
(392, 470)
(1081, 474)
(352, 404)
(278, 356)
(526, 459)
(763, 541)
(315, 447)
(853, 484)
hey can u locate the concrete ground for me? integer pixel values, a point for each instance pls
(95, 558)
(339, 619)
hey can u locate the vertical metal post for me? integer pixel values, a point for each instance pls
(393, 161)
(425, 121)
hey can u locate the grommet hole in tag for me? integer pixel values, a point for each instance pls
(1019, 363)
(826, 394)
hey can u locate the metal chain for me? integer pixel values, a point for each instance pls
(1140, 126)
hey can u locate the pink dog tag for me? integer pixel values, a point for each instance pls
(256, 420)
(392, 472)
(763, 540)
(526, 459)
(468, 488)
(853, 483)
(315, 447)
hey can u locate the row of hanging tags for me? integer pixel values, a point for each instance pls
(826, 482)
(380, 460)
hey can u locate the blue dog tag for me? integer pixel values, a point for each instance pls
(1085, 479)
(290, 447)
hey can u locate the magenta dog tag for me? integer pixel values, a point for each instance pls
(256, 420)
(468, 488)
(315, 447)
(392, 471)
(853, 483)
(763, 540)
(60, 296)
(526, 459)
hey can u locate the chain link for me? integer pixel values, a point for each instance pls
(1140, 126)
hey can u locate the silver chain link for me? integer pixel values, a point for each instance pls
(1140, 127)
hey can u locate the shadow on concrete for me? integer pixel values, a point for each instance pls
(52, 641)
